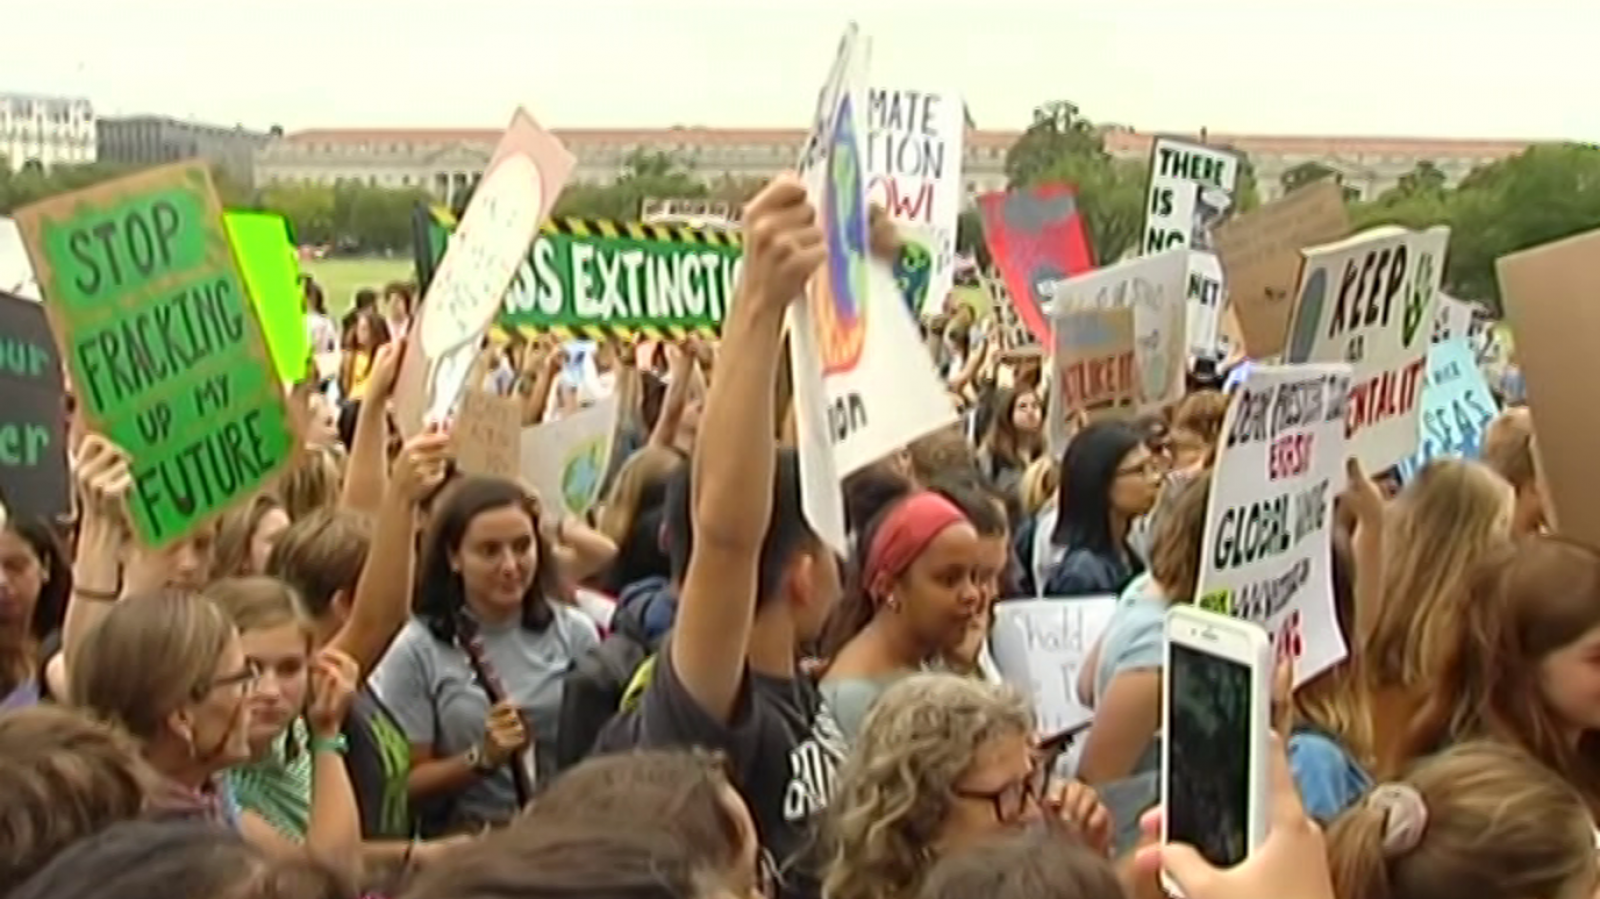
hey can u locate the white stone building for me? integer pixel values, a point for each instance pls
(49, 130)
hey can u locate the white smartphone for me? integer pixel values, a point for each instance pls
(1216, 717)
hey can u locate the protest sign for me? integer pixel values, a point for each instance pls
(486, 434)
(1038, 241)
(161, 341)
(1040, 646)
(1260, 253)
(1369, 301)
(863, 384)
(1269, 521)
(913, 148)
(1191, 193)
(1456, 406)
(521, 183)
(35, 480)
(1154, 288)
(1094, 360)
(1549, 294)
(272, 275)
(1452, 320)
(590, 278)
(566, 460)
(1011, 334)
(16, 273)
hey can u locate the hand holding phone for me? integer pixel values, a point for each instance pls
(1216, 731)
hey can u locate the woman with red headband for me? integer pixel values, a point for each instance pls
(915, 597)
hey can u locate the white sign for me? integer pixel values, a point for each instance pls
(1040, 646)
(1154, 287)
(16, 272)
(521, 183)
(863, 384)
(1369, 301)
(1452, 320)
(914, 144)
(1268, 525)
(1191, 192)
(566, 460)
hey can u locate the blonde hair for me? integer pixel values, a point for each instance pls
(941, 452)
(897, 787)
(236, 532)
(1201, 413)
(1508, 447)
(149, 656)
(1450, 516)
(1485, 821)
(259, 603)
(645, 471)
(313, 482)
(1040, 481)
(1177, 542)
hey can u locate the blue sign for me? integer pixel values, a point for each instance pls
(1456, 406)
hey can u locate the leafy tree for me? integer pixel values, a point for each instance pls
(308, 208)
(969, 237)
(1058, 130)
(645, 174)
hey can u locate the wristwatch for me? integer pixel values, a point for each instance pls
(478, 760)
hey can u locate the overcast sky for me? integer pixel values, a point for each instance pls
(1425, 68)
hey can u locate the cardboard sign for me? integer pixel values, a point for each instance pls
(163, 345)
(521, 183)
(1370, 301)
(1040, 646)
(35, 479)
(914, 143)
(1280, 464)
(1549, 294)
(1095, 360)
(1191, 193)
(1154, 288)
(1260, 253)
(487, 432)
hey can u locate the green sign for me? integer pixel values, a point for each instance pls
(584, 277)
(164, 349)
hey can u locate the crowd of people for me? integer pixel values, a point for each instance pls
(386, 678)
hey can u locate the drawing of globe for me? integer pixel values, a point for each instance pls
(580, 477)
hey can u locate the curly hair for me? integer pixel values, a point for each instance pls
(897, 787)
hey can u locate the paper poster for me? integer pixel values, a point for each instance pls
(35, 480)
(863, 384)
(1269, 522)
(16, 273)
(1452, 320)
(1549, 295)
(1456, 406)
(566, 460)
(272, 275)
(486, 434)
(1154, 288)
(1369, 301)
(913, 146)
(1260, 253)
(1041, 645)
(162, 344)
(521, 183)
(585, 277)
(1011, 334)
(1191, 193)
(1094, 360)
(1038, 241)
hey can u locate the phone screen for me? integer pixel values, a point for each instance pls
(1208, 765)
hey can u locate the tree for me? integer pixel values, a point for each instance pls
(969, 237)
(1058, 130)
(308, 208)
(645, 174)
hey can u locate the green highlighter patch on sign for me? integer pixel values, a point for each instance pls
(165, 350)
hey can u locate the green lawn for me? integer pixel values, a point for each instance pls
(341, 278)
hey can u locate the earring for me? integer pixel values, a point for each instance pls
(893, 603)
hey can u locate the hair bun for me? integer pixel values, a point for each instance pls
(1405, 816)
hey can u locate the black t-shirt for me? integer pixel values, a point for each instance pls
(784, 747)
(378, 760)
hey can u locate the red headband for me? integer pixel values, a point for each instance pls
(906, 530)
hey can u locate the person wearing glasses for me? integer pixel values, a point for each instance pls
(1109, 478)
(170, 669)
(943, 763)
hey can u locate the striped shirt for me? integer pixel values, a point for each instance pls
(278, 786)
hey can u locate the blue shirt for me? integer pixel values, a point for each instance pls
(1329, 780)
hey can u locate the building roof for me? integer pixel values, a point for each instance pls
(1117, 140)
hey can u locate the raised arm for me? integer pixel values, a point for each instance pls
(366, 475)
(734, 457)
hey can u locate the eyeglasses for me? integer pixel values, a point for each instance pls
(1012, 800)
(249, 676)
(1149, 468)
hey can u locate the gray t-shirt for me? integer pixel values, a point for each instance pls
(434, 696)
(850, 698)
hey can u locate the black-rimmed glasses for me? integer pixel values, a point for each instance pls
(1012, 800)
